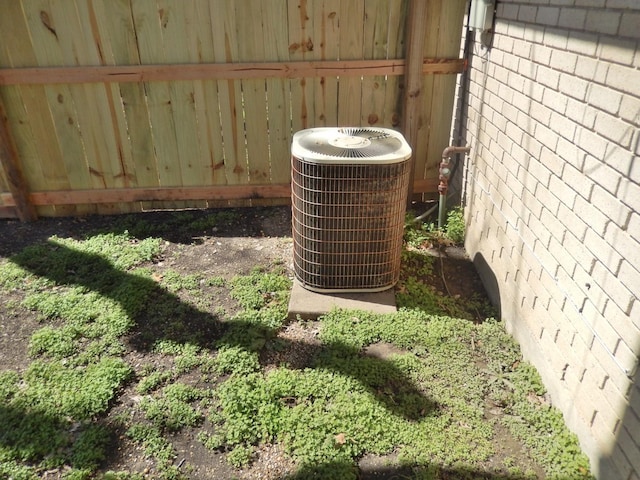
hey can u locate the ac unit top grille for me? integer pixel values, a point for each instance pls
(350, 145)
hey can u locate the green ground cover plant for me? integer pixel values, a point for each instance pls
(423, 404)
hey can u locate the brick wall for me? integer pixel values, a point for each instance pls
(552, 203)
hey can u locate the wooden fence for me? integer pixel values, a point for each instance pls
(112, 106)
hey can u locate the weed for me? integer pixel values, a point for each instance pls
(236, 359)
(416, 263)
(418, 234)
(173, 410)
(174, 281)
(111, 475)
(260, 288)
(498, 347)
(32, 436)
(187, 221)
(13, 277)
(520, 390)
(541, 427)
(339, 409)
(156, 446)
(54, 342)
(219, 219)
(8, 385)
(14, 470)
(415, 294)
(153, 380)
(90, 446)
(240, 456)
(66, 390)
(216, 281)
(455, 227)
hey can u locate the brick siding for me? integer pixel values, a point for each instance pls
(552, 202)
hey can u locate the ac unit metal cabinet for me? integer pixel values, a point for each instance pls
(349, 193)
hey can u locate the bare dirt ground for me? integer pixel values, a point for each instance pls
(256, 237)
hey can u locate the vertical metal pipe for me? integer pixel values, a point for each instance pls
(445, 173)
(442, 208)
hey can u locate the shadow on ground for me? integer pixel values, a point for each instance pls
(152, 305)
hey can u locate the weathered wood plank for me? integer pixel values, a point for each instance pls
(97, 36)
(395, 84)
(376, 32)
(175, 16)
(221, 71)
(428, 125)
(225, 42)
(326, 49)
(351, 20)
(95, 116)
(4, 186)
(149, 20)
(211, 193)
(119, 46)
(416, 32)
(26, 132)
(10, 163)
(252, 48)
(170, 194)
(301, 47)
(278, 99)
(42, 106)
(8, 212)
(206, 98)
(445, 41)
(17, 118)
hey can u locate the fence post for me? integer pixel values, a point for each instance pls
(416, 32)
(11, 166)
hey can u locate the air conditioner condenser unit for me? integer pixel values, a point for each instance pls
(349, 193)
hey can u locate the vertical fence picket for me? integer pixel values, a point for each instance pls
(48, 111)
(206, 98)
(175, 30)
(442, 41)
(119, 44)
(225, 46)
(23, 129)
(351, 20)
(395, 49)
(376, 33)
(301, 45)
(148, 19)
(99, 123)
(327, 47)
(446, 45)
(251, 48)
(11, 178)
(278, 101)
(98, 39)
(424, 121)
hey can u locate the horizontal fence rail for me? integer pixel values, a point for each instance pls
(237, 71)
(112, 107)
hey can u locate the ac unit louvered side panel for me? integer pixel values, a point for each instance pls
(348, 224)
